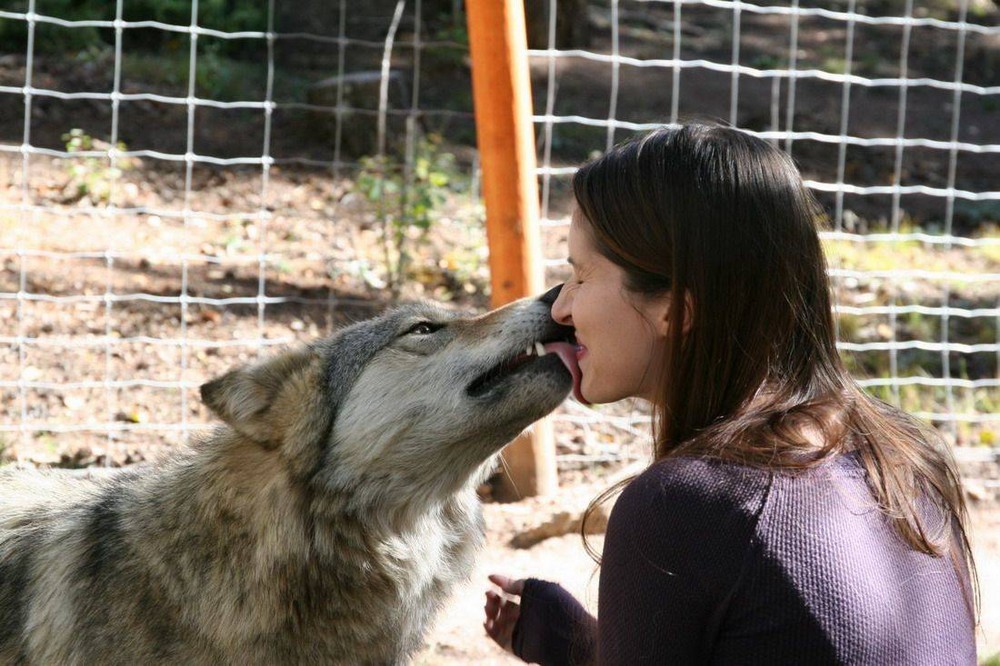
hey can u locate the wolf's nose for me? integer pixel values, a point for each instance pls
(551, 295)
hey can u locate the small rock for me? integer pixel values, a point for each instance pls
(210, 316)
(73, 401)
(135, 416)
(975, 490)
(560, 523)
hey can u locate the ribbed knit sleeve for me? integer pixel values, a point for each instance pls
(677, 543)
(553, 629)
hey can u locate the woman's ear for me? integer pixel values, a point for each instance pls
(665, 315)
(688, 312)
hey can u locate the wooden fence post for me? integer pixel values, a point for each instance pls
(501, 90)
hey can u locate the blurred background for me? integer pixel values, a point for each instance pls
(185, 185)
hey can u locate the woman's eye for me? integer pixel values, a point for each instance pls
(423, 328)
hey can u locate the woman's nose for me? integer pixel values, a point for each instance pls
(559, 304)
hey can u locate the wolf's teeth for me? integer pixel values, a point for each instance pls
(528, 350)
(540, 349)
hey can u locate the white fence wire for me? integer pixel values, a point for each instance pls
(903, 151)
(35, 353)
(968, 292)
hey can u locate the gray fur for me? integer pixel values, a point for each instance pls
(325, 522)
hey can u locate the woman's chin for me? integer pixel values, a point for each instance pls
(602, 397)
(598, 397)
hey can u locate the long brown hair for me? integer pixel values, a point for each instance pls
(722, 222)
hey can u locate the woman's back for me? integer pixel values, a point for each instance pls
(699, 284)
(715, 562)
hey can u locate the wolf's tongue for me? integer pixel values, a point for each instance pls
(567, 354)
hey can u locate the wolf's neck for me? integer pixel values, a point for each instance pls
(238, 483)
(402, 494)
(240, 527)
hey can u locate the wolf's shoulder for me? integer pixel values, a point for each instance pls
(23, 489)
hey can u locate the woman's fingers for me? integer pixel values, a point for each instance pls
(509, 613)
(502, 609)
(508, 585)
(501, 616)
(492, 607)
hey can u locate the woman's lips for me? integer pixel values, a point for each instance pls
(569, 355)
(580, 351)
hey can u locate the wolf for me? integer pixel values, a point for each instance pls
(324, 522)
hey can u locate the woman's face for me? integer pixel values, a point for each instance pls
(621, 335)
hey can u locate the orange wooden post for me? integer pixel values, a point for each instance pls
(501, 91)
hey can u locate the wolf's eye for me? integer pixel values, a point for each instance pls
(422, 328)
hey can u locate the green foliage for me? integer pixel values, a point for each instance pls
(49, 38)
(92, 176)
(767, 61)
(447, 56)
(407, 200)
(228, 15)
(993, 660)
(984, 215)
(217, 76)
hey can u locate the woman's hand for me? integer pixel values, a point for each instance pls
(502, 611)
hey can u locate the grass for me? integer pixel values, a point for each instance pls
(873, 256)
(884, 256)
(6, 451)
(887, 255)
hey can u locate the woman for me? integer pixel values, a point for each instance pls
(788, 517)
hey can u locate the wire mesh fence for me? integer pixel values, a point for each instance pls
(232, 185)
(179, 197)
(890, 111)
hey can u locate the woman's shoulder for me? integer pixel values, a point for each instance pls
(693, 517)
(701, 491)
(705, 476)
(695, 492)
(698, 479)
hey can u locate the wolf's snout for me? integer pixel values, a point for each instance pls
(554, 331)
(545, 337)
(549, 297)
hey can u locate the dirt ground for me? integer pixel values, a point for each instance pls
(458, 636)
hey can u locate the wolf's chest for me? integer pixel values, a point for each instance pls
(397, 586)
(436, 553)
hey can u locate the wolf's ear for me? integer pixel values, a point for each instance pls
(243, 397)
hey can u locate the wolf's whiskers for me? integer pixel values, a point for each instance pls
(510, 478)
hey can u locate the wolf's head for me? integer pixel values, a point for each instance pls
(419, 397)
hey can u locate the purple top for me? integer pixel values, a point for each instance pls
(711, 562)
